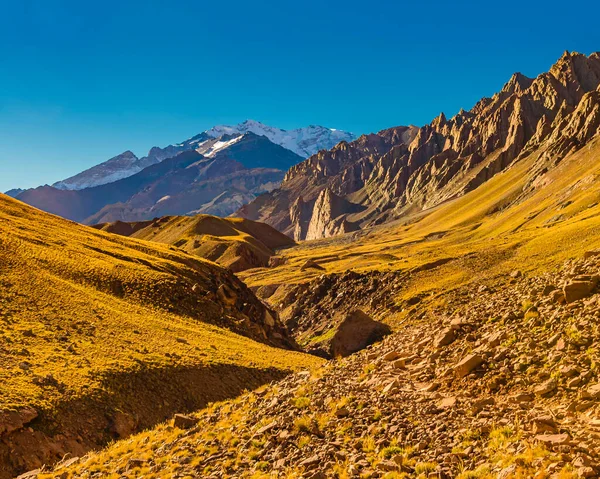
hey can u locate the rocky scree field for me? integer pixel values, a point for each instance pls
(501, 381)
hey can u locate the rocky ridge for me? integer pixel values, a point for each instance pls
(186, 184)
(406, 169)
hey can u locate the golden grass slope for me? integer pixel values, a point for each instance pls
(511, 222)
(104, 335)
(235, 243)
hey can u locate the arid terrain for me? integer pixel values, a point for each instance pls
(436, 316)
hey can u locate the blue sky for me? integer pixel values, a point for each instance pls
(83, 81)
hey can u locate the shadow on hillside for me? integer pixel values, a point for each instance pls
(128, 403)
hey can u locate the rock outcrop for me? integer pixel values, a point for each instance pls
(329, 216)
(407, 169)
(356, 331)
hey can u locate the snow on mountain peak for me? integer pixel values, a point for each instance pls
(302, 141)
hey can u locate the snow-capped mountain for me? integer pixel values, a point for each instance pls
(217, 177)
(121, 166)
(302, 141)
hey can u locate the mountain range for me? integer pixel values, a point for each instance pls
(302, 141)
(215, 172)
(406, 170)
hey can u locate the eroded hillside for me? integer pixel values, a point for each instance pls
(517, 220)
(497, 382)
(104, 336)
(235, 243)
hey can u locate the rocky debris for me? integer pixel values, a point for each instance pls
(515, 394)
(310, 310)
(553, 439)
(356, 331)
(183, 421)
(445, 337)
(11, 421)
(468, 364)
(311, 264)
(378, 177)
(546, 387)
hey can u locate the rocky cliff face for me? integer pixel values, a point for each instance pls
(329, 216)
(406, 169)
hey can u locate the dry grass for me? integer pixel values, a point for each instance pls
(555, 221)
(88, 317)
(235, 243)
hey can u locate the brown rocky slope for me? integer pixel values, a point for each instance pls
(382, 176)
(498, 382)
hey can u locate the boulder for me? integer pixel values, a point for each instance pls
(546, 387)
(553, 439)
(468, 364)
(580, 288)
(355, 332)
(183, 421)
(445, 337)
(13, 420)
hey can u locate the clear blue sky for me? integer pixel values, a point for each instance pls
(82, 81)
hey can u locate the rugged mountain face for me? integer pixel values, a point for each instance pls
(235, 243)
(408, 169)
(302, 141)
(329, 217)
(234, 171)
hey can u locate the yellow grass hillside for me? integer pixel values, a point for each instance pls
(510, 223)
(235, 243)
(103, 336)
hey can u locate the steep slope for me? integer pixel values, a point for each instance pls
(185, 184)
(234, 243)
(105, 335)
(302, 141)
(410, 169)
(492, 371)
